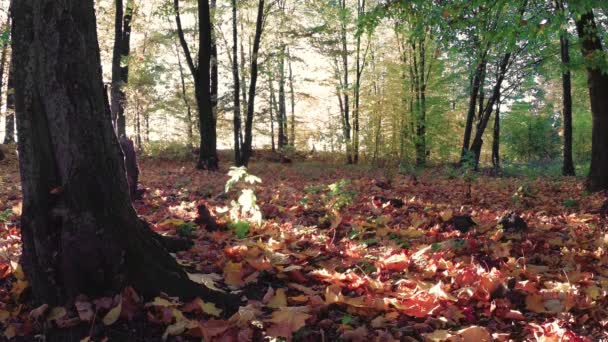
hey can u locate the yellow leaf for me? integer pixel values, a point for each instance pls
(472, 334)
(208, 280)
(210, 309)
(176, 329)
(288, 320)
(56, 313)
(437, 335)
(278, 300)
(17, 271)
(333, 294)
(172, 222)
(86, 339)
(447, 215)
(534, 303)
(112, 316)
(233, 274)
(161, 302)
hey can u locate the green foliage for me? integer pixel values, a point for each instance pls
(170, 150)
(186, 229)
(6, 215)
(241, 228)
(244, 211)
(339, 195)
(571, 203)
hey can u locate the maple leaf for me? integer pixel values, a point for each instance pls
(288, 320)
(112, 316)
(278, 300)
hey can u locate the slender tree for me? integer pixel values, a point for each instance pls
(201, 73)
(79, 231)
(597, 79)
(9, 134)
(237, 86)
(120, 63)
(568, 163)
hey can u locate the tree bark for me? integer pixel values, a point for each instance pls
(496, 138)
(201, 73)
(344, 90)
(237, 86)
(80, 233)
(120, 64)
(3, 63)
(246, 149)
(292, 138)
(272, 106)
(9, 125)
(568, 164)
(592, 50)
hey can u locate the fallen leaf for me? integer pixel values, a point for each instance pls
(112, 316)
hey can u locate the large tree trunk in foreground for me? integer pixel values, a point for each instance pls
(80, 233)
(120, 65)
(591, 48)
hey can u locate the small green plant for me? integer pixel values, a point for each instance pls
(244, 211)
(186, 229)
(339, 196)
(571, 203)
(5, 215)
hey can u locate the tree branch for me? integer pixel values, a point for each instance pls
(182, 40)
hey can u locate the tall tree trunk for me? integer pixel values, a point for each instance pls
(79, 231)
(201, 73)
(214, 62)
(9, 134)
(482, 122)
(345, 88)
(3, 64)
(247, 148)
(120, 63)
(292, 138)
(189, 121)
(236, 79)
(282, 106)
(591, 47)
(359, 72)
(476, 87)
(496, 138)
(272, 102)
(568, 164)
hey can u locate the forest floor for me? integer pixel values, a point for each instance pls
(379, 257)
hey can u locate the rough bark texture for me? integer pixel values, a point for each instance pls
(80, 233)
(120, 66)
(591, 48)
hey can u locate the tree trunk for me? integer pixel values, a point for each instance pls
(214, 62)
(246, 149)
(201, 73)
(189, 123)
(344, 90)
(591, 48)
(272, 106)
(3, 62)
(483, 119)
(120, 63)
(236, 79)
(476, 87)
(282, 106)
(496, 138)
(292, 138)
(9, 134)
(80, 233)
(568, 166)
